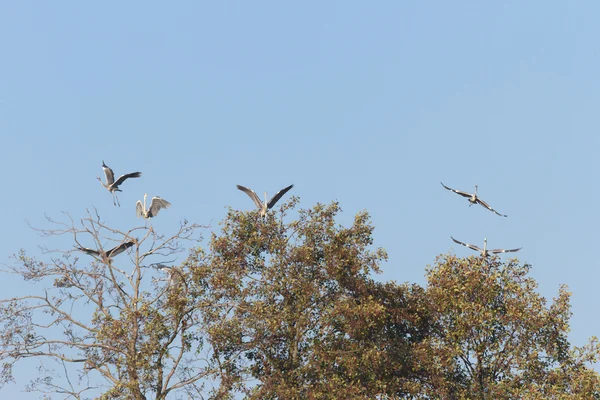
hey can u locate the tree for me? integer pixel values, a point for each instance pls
(295, 312)
(284, 308)
(494, 337)
(108, 315)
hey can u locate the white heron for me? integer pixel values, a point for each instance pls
(473, 199)
(263, 207)
(113, 186)
(156, 205)
(109, 253)
(485, 252)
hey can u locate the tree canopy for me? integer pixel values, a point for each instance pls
(282, 307)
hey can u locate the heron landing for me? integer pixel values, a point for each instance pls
(264, 207)
(108, 253)
(473, 199)
(156, 205)
(485, 252)
(113, 186)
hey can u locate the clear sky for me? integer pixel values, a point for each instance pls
(368, 104)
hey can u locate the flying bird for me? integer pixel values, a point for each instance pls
(113, 186)
(473, 199)
(263, 207)
(109, 253)
(155, 206)
(485, 252)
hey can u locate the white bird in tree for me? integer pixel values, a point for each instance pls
(473, 199)
(113, 186)
(174, 277)
(263, 207)
(109, 253)
(173, 273)
(156, 205)
(485, 252)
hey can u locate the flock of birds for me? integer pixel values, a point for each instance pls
(158, 203)
(473, 199)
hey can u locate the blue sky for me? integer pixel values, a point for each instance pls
(371, 105)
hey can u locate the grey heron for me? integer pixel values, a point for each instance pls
(473, 199)
(485, 252)
(109, 253)
(156, 205)
(263, 207)
(174, 275)
(113, 186)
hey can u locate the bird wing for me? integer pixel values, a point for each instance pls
(88, 251)
(277, 196)
(486, 205)
(471, 246)
(252, 195)
(156, 205)
(139, 209)
(126, 176)
(110, 175)
(464, 194)
(119, 249)
(496, 251)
